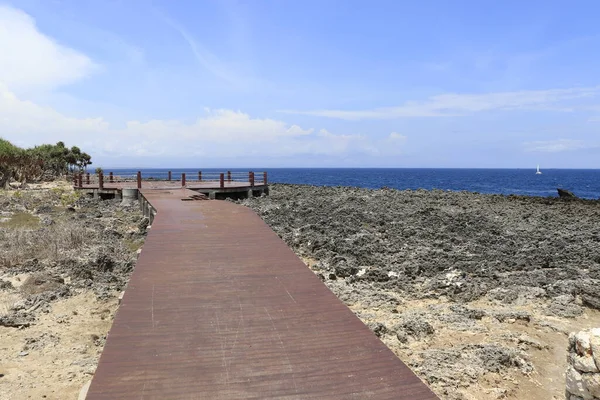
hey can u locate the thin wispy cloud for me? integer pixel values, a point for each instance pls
(205, 58)
(554, 146)
(450, 105)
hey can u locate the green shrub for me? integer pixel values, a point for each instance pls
(46, 160)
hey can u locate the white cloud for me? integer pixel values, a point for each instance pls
(35, 61)
(219, 133)
(31, 59)
(554, 146)
(397, 137)
(25, 118)
(448, 105)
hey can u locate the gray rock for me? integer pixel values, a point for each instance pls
(378, 328)
(583, 363)
(564, 306)
(591, 382)
(343, 269)
(414, 326)
(529, 341)
(595, 347)
(590, 293)
(511, 316)
(565, 194)
(574, 383)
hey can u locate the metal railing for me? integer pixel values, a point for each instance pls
(225, 179)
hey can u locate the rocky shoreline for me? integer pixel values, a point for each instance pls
(477, 293)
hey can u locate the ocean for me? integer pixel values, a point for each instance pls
(584, 183)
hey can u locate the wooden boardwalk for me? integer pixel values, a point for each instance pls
(218, 307)
(192, 185)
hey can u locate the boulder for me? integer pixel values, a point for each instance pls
(595, 346)
(591, 382)
(565, 194)
(583, 363)
(574, 382)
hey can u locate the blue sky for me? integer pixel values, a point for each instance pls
(252, 83)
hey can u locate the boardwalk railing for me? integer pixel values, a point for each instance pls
(101, 179)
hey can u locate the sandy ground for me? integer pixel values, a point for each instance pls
(64, 261)
(56, 356)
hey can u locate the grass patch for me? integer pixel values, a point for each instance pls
(65, 196)
(21, 220)
(55, 243)
(133, 245)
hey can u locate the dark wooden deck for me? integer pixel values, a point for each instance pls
(219, 307)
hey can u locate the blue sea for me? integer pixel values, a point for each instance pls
(584, 183)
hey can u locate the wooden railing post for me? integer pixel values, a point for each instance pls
(139, 179)
(87, 178)
(110, 177)
(251, 178)
(222, 180)
(183, 179)
(74, 180)
(100, 180)
(265, 178)
(229, 176)
(199, 176)
(169, 178)
(80, 180)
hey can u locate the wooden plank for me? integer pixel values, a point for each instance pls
(219, 307)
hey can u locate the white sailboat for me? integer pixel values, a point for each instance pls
(538, 172)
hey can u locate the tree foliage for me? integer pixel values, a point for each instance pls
(46, 160)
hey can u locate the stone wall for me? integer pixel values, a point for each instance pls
(583, 372)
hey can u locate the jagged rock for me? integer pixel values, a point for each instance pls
(414, 326)
(564, 306)
(472, 313)
(343, 269)
(511, 316)
(16, 320)
(590, 293)
(583, 363)
(574, 383)
(591, 382)
(595, 346)
(529, 341)
(565, 194)
(6, 285)
(401, 336)
(44, 209)
(583, 373)
(582, 343)
(378, 328)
